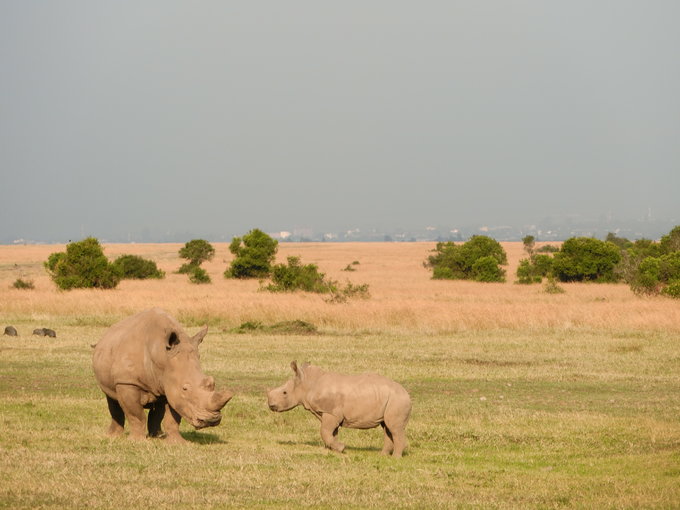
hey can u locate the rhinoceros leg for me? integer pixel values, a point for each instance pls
(395, 422)
(389, 440)
(329, 432)
(117, 418)
(171, 423)
(129, 398)
(399, 437)
(155, 418)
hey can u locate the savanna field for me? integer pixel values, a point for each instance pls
(521, 398)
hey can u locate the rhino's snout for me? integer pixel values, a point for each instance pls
(211, 421)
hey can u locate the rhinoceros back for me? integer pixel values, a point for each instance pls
(362, 399)
(126, 352)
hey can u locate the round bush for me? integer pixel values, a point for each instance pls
(136, 267)
(197, 251)
(586, 259)
(199, 275)
(456, 261)
(84, 265)
(254, 253)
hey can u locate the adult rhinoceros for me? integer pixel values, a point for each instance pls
(147, 361)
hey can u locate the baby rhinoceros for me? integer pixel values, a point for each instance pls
(354, 401)
(148, 362)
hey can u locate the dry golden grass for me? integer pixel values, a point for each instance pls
(404, 298)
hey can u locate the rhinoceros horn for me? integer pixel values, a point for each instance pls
(219, 399)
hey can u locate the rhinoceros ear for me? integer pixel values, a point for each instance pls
(172, 341)
(299, 370)
(198, 337)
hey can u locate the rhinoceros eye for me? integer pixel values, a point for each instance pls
(285, 392)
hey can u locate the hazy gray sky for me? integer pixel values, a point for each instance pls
(218, 116)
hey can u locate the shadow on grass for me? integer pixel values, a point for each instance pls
(202, 438)
(348, 448)
(300, 443)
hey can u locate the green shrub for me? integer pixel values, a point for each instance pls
(83, 265)
(621, 242)
(586, 259)
(350, 267)
(671, 241)
(457, 261)
(445, 273)
(656, 275)
(486, 269)
(650, 267)
(669, 267)
(672, 290)
(529, 244)
(187, 268)
(197, 251)
(254, 255)
(647, 277)
(351, 290)
(54, 260)
(534, 269)
(526, 273)
(551, 287)
(295, 276)
(23, 284)
(548, 248)
(136, 267)
(199, 275)
(632, 256)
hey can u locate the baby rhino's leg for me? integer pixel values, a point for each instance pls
(389, 441)
(329, 432)
(396, 419)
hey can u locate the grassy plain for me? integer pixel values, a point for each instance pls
(522, 399)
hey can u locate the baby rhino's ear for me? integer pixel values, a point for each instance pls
(299, 371)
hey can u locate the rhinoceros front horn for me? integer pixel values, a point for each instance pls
(219, 399)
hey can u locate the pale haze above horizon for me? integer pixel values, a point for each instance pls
(212, 118)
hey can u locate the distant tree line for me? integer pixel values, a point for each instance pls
(648, 267)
